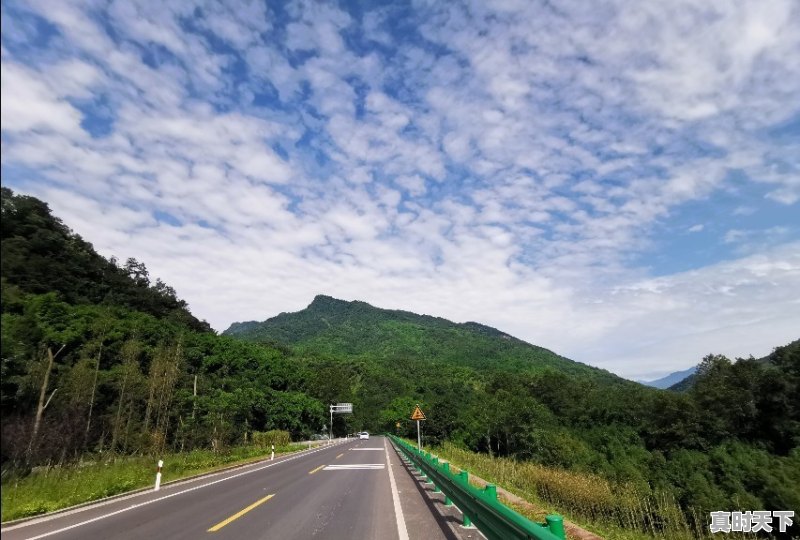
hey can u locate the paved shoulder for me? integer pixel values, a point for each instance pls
(427, 517)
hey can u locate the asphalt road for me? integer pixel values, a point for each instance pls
(343, 491)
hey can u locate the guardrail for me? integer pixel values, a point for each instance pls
(481, 507)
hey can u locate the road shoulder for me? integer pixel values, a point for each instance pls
(426, 516)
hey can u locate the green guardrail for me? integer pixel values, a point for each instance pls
(481, 507)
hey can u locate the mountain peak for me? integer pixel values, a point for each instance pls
(325, 300)
(357, 329)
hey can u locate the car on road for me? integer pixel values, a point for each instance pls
(363, 435)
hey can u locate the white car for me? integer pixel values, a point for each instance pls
(363, 435)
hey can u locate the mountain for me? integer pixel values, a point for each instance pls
(684, 384)
(671, 379)
(40, 254)
(339, 328)
(123, 364)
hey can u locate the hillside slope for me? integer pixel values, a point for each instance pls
(40, 254)
(356, 329)
(97, 359)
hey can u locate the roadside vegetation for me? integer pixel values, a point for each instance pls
(609, 509)
(50, 488)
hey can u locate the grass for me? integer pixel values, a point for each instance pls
(54, 488)
(618, 511)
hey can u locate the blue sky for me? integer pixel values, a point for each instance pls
(618, 182)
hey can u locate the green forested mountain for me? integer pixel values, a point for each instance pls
(358, 330)
(96, 358)
(731, 441)
(40, 255)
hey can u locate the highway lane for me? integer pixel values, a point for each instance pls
(340, 492)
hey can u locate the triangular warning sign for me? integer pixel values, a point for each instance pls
(417, 414)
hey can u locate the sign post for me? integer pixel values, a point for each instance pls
(418, 415)
(339, 408)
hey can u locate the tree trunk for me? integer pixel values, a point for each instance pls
(40, 407)
(119, 410)
(94, 389)
(194, 396)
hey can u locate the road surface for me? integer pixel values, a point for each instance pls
(339, 492)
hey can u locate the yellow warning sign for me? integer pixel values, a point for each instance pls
(417, 414)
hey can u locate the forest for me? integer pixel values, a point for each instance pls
(99, 358)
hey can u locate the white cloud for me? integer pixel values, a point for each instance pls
(28, 104)
(509, 164)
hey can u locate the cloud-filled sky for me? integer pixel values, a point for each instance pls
(616, 181)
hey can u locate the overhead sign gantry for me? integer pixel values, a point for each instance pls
(339, 408)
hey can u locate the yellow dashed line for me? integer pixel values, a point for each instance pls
(315, 470)
(239, 514)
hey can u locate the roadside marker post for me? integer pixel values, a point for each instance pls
(158, 475)
(272, 456)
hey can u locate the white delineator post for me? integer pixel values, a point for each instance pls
(158, 475)
(272, 456)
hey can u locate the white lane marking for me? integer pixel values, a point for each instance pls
(145, 503)
(355, 467)
(402, 532)
(378, 449)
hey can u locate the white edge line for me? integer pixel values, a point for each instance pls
(402, 532)
(145, 503)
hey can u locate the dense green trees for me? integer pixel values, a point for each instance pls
(125, 381)
(97, 357)
(40, 255)
(356, 329)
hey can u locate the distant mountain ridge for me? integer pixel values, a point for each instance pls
(338, 327)
(672, 379)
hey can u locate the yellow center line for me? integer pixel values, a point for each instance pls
(340, 455)
(239, 514)
(315, 470)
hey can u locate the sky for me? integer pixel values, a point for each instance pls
(616, 181)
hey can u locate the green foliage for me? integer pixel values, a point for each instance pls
(336, 328)
(613, 509)
(265, 439)
(134, 371)
(40, 255)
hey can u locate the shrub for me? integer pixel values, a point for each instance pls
(265, 439)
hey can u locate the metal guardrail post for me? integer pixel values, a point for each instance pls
(446, 469)
(555, 524)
